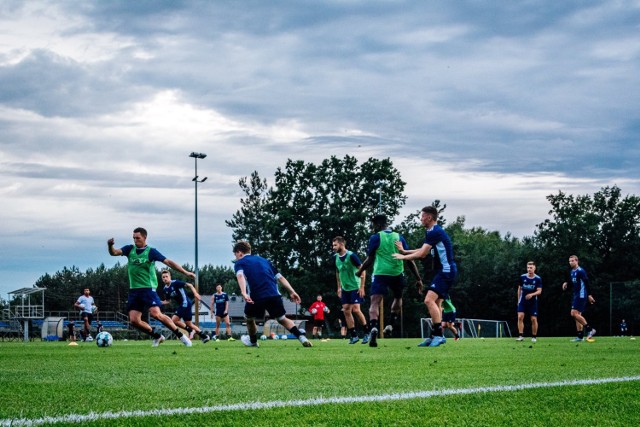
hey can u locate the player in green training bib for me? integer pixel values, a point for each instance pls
(143, 282)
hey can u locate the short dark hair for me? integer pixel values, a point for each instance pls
(431, 210)
(166, 271)
(340, 239)
(141, 231)
(242, 246)
(380, 220)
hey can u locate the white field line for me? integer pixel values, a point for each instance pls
(94, 416)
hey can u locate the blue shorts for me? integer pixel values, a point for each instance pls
(273, 305)
(529, 307)
(350, 297)
(579, 304)
(449, 317)
(142, 299)
(185, 313)
(441, 283)
(381, 282)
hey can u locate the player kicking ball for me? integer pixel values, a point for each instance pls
(263, 294)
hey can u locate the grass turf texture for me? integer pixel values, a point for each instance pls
(41, 379)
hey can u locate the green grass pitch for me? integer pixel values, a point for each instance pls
(290, 385)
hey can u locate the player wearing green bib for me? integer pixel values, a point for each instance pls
(143, 281)
(387, 273)
(350, 288)
(449, 317)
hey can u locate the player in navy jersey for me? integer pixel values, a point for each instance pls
(438, 243)
(258, 280)
(220, 302)
(529, 287)
(176, 290)
(388, 273)
(581, 296)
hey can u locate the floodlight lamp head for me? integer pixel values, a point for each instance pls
(204, 179)
(197, 155)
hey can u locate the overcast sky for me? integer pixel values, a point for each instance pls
(487, 106)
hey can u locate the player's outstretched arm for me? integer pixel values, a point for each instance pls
(242, 283)
(170, 263)
(195, 293)
(292, 293)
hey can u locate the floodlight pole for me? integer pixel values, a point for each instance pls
(196, 181)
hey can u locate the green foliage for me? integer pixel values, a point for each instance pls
(59, 378)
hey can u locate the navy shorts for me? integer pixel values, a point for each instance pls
(318, 323)
(273, 305)
(141, 299)
(579, 304)
(528, 307)
(88, 316)
(449, 317)
(350, 297)
(441, 283)
(185, 313)
(381, 282)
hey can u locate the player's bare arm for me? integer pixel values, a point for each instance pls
(292, 294)
(242, 283)
(113, 251)
(195, 293)
(368, 262)
(178, 267)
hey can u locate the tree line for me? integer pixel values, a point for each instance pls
(293, 222)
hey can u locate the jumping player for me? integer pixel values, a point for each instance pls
(258, 280)
(176, 290)
(581, 295)
(529, 287)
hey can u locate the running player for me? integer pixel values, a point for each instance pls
(143, 281)
(439, 244)
(258, 280)
(387, 273)
(176, 290)
(581, 295)
(87, 307)
(350, 288)
(529, 287)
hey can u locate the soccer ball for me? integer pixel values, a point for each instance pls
(284, 337)
(263, 337)
(276, 337)
(94, 308)
(314, 311)
(325, 309)
(104, 339)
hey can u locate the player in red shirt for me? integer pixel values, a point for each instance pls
(318, 310)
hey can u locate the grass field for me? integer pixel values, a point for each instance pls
(472, 382)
